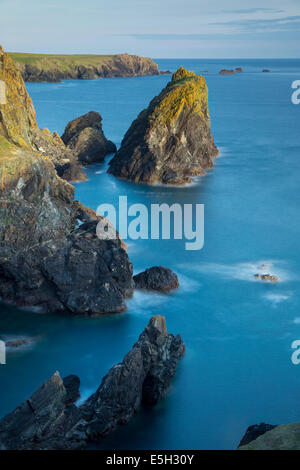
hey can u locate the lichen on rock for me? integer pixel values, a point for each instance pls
(170, 141)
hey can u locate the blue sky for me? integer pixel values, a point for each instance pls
(155, 28)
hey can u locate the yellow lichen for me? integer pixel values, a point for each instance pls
(186, 91)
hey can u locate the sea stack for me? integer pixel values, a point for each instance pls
(84, 136)
(170, 141)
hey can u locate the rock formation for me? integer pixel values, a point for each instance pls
(85, 138)
(50, 419)
(284, 437)
(18, 124)
(266, 71)
(46, 259)
(254, 431)
(227, 72)
(170, 140)
(54, 68)
(267, 277)
(157, 278)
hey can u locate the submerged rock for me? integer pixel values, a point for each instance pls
(18, 124)
(85, 138)
(227, 72)
(157, 278)
(266, 71)
(254, 431)
(49, 419)
(267, 277)
(170, 141)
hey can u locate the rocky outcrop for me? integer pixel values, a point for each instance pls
(227, 72)
(54, 68)
(170, 141)
(50, 419)
(266, 71)
(254, 431)
(158, 279)
(19, 127)
(47, 259)
(267, 277)
(85, 138)
(239, 70)
(284, 437)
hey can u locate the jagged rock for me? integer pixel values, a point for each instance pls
(19, 127)
(85, 138)
(54, 68)
(267, 277)
(49, 419)
(157, 278)
(254, 431)
(46, 260)
(170, 141)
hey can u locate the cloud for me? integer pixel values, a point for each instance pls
(287, 23)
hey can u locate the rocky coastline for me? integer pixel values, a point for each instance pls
(50, 418)
(55, 68)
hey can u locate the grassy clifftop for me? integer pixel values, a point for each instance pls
(55, 67)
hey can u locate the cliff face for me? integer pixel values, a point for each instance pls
(49, 419)
(284, 437)
(46, 259)
(170, 140)
(18, 123)
(54, 68)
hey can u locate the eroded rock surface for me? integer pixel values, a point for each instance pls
(85, 138)
(170, 141)
(50, 419)
(254, 431)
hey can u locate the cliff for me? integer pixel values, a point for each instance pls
(47, 259)
(284, 437)
(19, 127)
(54, 68)
(50, 419)
(170, 141)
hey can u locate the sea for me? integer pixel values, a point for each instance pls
(237, 369)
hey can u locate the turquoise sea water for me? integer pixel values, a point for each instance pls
(237, 369)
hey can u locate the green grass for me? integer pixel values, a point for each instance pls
(61, 61)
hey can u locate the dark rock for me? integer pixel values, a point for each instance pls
(85, 138)
(254, 431)
(170, 141)
(157, 278)
(266, 71)
(227, 72)
(72, 384)
(239, 69)
(267, 277)
(49, 419)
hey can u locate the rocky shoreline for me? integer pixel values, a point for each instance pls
(54, 68)
(50, 418)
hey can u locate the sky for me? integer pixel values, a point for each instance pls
(154, 28)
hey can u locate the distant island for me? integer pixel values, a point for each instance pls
(56, 67)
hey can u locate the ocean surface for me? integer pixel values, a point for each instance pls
(238, 332)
